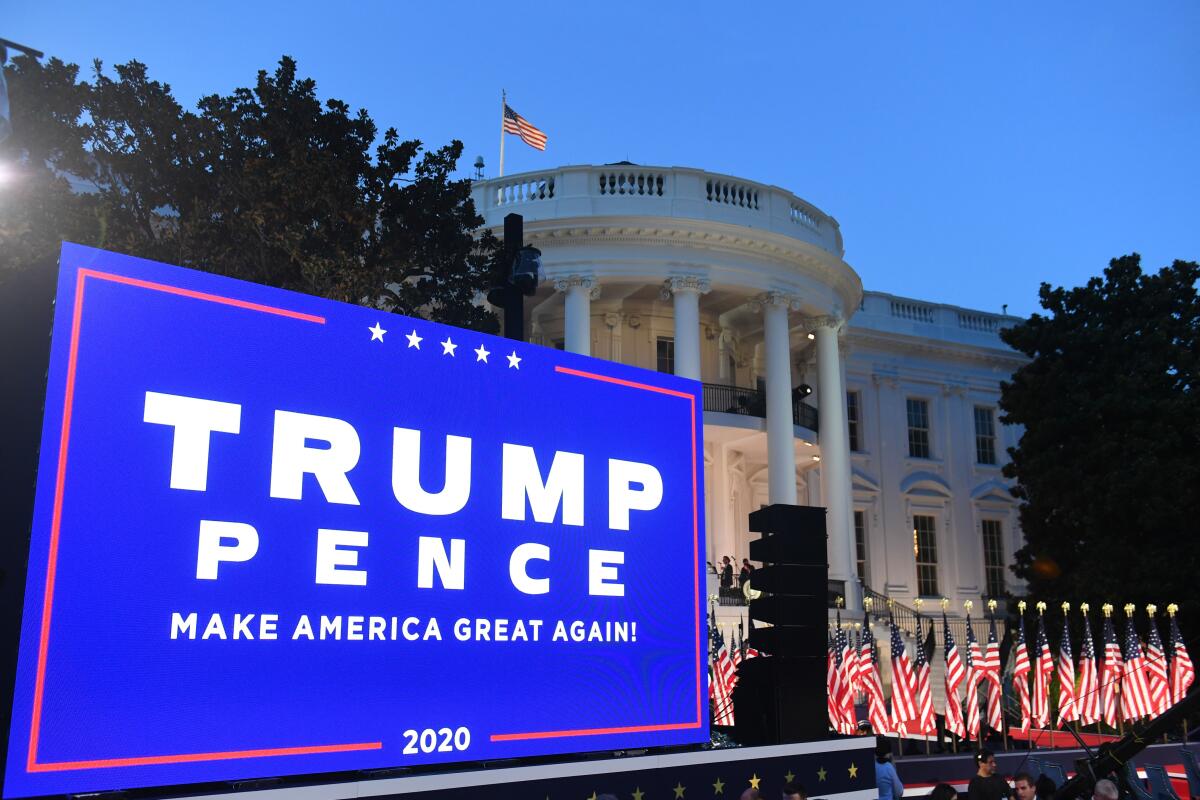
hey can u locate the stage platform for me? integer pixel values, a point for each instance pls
(839, 769)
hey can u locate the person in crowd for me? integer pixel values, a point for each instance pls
(1044, 787)
(1105, 790)
(987, 785)
(943, 791)
(886, 779)
(744, 575)
(750, 794)
(794, 791)
(726, 573)
(1023, 786)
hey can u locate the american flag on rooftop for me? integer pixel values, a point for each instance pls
(515, 123)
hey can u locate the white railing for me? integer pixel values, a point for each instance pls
(731, 193)
(632, 183)
(523, 189)
(917, 312)
(681, 192)
(978, 322)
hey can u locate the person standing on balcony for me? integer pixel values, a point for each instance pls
(744, 575)
(726, 573)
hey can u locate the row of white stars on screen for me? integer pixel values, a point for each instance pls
(448, 347)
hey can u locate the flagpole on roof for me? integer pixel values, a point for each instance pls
(503, 105)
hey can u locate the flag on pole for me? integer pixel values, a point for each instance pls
(1042, 671)
(904, 699)
(853, 668)
(1135, 693)
(849, 665)
(1156, 671)
(833, 686)
(1067, 708)
(1110, 676)
(872, 683)
(955, 675)
(722, 671)
(1182, 671)
(974, 659)
(925, 721)
(993, 670)
(1087, 698)
(845, 695)
(530, 135)
(1021, 670)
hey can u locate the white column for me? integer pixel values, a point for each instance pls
(580, 290)
(781, 445)
(835, 457)
(686, 290)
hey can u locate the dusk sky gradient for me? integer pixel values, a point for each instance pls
(969, 151)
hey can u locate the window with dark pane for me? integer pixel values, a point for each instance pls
(993, 557)
(985, 435)
(918, 428)
(860, 544)
(852, 412)
(666, 354)
(925, 544)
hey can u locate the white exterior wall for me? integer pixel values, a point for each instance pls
(670, 224)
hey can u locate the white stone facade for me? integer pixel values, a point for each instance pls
(739, 284)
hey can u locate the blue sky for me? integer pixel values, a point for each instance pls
(969, 152)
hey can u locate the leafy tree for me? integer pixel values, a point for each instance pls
(1107, 466)
(268, 184)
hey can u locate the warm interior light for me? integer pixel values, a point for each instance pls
(916, 547)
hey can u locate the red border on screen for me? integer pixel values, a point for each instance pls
(32, 764)
(673, 726)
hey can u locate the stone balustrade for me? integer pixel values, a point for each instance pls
(678, 192)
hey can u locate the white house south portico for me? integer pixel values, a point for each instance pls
(737, 284)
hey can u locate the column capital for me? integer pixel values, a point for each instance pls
(833, 321)
(567, 282)
(776, 299)
(685, 283)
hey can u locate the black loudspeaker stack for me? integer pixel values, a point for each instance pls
(780, 696)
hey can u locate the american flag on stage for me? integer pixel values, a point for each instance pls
(974, 660)
(1156, 671)
(721, 683)
(904, 693)
(1068, 710)
(1021, 670)
(833, 686)
(955, 675)
(925, 721)
(1182, 671)
(992, 672)
(849, 665)
(845, 695)
(1135, 693)
(515, 123)
(868, 673)
(1087, 696)
(1042, 671)
(1110, 675)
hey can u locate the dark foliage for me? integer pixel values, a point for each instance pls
(1108, 465)
(267, 184)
